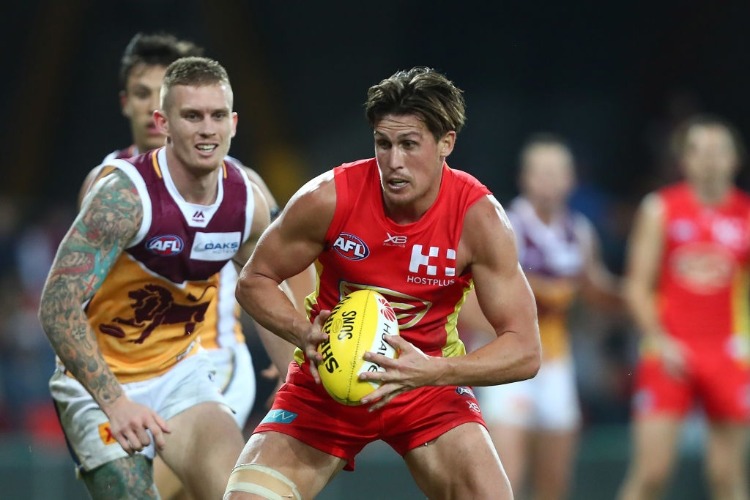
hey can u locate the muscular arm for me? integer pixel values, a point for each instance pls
(303, 283)
(645, 248)
(287, 248)
(109, 219)
(505, 299)
(296, 287)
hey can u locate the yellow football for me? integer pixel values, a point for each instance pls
(357, 325)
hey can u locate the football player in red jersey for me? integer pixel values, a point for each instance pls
(687, 288)
(420, 233)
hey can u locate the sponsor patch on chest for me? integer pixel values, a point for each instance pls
(215, 246)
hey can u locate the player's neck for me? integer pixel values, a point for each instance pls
(546, 213)
(711, 193)
(194, 185)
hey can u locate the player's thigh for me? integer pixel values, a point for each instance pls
(655, 445)
(553, 461)
(203, 446)
(282, 461)
(512, 443)
(167, 482)
(727, 449)
(128, 477)
(461, 463)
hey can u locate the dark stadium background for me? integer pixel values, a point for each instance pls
(612, 77)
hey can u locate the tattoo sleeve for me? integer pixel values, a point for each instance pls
(106, 223)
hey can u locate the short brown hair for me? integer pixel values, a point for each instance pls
(156, 49)
(419, 91)
(193, 72)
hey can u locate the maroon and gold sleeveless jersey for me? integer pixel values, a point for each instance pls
(555, 249)
(703, 286)
(155, 304)
(412, 265)
(223, 327)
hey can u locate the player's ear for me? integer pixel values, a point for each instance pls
(234, 123)
(160, 119)
(446, 143)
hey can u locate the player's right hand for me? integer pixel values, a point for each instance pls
(673, 355)
(312, 339)
(129, 422)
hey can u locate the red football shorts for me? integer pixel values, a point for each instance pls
(718, 382)
(304, 410)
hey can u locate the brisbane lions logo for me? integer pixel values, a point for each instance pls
(154, 305)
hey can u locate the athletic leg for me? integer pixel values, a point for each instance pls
(653, 457)
(512, 443)
(129, 477)
(556, 432)
(167, 482)
(202, 448)
(276, 463)
(553, 463)
(461, 463)
(726, 461)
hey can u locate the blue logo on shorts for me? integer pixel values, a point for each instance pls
(279, 417)
(465, 391)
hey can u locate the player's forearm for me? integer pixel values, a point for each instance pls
(642, 306)
(511, 357)
(75, 344)
(270, 306)
(279, 350)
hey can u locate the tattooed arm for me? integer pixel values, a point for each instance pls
(109, 219)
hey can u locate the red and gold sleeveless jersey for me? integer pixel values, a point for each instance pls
(223, 327)
(155, 304)
(703, 286)
(412, 265)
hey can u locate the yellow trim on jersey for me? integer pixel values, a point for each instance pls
(155, 163)
(741, 314)
(453, 344)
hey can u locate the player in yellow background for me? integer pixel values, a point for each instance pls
(534, 423)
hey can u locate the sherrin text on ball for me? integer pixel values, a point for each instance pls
(357, 324)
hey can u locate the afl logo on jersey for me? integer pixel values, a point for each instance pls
(351, 247)
(169, 244)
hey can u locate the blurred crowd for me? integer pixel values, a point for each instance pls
(29, 235)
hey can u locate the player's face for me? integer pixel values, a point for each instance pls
(709, 155)
(139, 100)
(199, 123)
(410, 162)
(547, 176)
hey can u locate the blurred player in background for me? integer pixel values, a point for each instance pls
(142, 70)
(687, 289)
(131, 287)
(418, 232)
(535, 423)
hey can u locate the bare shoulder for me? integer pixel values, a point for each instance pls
(487, 228)
(114, 207)
(650, 214)
(314, 202)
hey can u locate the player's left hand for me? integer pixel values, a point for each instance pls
(410, 370)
